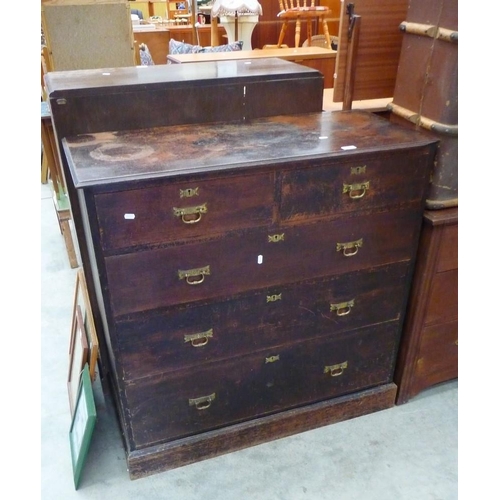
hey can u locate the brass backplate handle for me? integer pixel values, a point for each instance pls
(342, 308)
(190, 215)
(202, 403)
(199, 339)
(350, 248)
(194, 276)
(357, 190)
(336, 370)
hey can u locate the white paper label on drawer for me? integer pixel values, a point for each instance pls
(346, 148)
(129, 216)
(260, 259)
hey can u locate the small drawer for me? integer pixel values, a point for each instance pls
(256, 259)
(183, 210)
(183, 403)
(369, 182)
(448, 250)
(443, 298)
(438, 354)
(184, 336)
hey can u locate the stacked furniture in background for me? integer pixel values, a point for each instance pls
(426, 98)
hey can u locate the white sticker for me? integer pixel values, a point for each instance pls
(345, 148)
(323, 137)
(129, 216)
(260, 259)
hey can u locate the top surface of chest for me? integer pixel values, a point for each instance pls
(110, 157)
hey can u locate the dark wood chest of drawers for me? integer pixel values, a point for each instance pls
(252, 276)
(429, 345)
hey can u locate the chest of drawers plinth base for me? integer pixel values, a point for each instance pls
(237, 437)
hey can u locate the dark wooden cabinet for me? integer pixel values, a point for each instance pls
(429, 345)
(252, 276)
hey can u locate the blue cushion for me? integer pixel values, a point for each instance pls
(145, 55)
(230, 47)
(175, 47)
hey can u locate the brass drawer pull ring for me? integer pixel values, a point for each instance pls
(202, 403)
(356, 191)
(342, 308)
(336, 370)
(186, 214)
(350, 248)
(194, 276)
(199, 339)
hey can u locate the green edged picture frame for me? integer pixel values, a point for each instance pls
(82, 425)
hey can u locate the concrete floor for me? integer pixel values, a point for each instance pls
(403, 453)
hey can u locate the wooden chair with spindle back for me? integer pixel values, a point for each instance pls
(302, 9)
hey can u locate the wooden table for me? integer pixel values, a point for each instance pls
(318, 58)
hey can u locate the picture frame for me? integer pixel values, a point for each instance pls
(82, 299)
(82, 425)
(78, 356)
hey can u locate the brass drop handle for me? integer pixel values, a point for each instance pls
(356, 191)
(342, 308)
(194, 276)
(190, 215)
(202, 403)
(350, 248)
(336, 370)
(199, 339)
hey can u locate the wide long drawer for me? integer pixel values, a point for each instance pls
(195, 400)
(182, 210)
(222, 267)
(187, 335)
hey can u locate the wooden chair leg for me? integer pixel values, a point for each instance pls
(282, 33)
(297, 32)
(326, 33)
